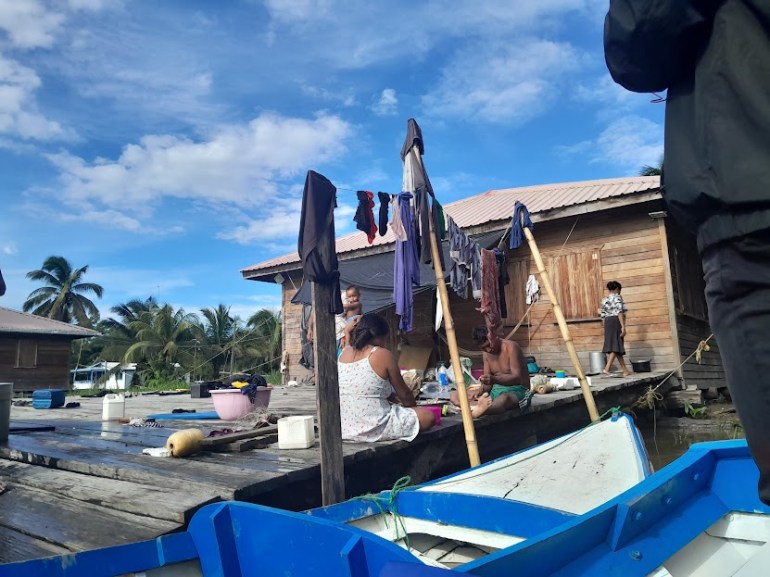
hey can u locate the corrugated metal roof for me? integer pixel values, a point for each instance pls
(497, 205)
(12, 321)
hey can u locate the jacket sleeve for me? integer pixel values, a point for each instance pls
(650, 44)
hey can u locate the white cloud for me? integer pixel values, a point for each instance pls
(629, 142)
(387, 104)
(238, 165)
(18, 113)
(9, 248)
(29, 23)
(516, 83)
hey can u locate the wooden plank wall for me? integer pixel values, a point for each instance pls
(51, 370)
(291, 330)
(627, 246)
(710, 372)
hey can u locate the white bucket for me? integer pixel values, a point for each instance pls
(113, 407)
(6, 392)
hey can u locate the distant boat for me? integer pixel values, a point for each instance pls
(478, 514)
(87, 377)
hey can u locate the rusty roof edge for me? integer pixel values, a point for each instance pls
(626, 199)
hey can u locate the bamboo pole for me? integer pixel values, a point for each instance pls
(454, 354)
(587, 394)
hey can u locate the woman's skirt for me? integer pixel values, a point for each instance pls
(613, 342)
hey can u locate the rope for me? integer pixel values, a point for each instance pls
(387, 507)
(651, 395)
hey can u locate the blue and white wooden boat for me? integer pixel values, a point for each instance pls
(698, 517)
(469, 519)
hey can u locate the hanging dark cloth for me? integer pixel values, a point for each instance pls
(317, 218)
(503, 278)
(490, 298)
(306, 360)
(419, 185)
(384, 204)
(365, 215)
(520, 216)
(437, 215)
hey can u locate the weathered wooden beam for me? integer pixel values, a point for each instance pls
(327, 387)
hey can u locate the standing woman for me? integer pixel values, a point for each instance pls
(375, 402)
(613, 313)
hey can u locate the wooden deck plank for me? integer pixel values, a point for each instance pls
(18, 546)
(156, 501)
(73, 524)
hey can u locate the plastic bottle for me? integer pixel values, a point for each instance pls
(441, 375)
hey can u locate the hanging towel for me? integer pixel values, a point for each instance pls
(364, 214)
(520, 213)
(317, 217)
(533, 289)
(384, 204)
(503, 278)
(490, 297)
(395, 223)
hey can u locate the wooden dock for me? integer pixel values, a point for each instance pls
(84, 483)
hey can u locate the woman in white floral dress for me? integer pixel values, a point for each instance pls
(371, 387)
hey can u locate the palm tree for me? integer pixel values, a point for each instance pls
(218, 330)
(164, 337)
(266, 326)
(62, 296)
(118, 336)
(652, 170)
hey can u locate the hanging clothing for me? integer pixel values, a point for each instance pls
(532, 289)
(458, 270)
(366, 415)
(406, 269)
(520, 219)
(490, 297)
(441, 220)
(436, 214)
(365, 215)
(306, 359)
(384, 204)
(395, 223)
(316, 222)
(503, 278)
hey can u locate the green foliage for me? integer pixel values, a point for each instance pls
(62, 295)
(161, 384)
(694, 412)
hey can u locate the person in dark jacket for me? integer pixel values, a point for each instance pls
(713, 57)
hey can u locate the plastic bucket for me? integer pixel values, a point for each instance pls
(596, 362)
(113, 407)
(6, 392)
(436, 410)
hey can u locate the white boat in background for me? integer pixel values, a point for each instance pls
(120, 377)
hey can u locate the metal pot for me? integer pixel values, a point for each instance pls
(596, 362)
(641, 366)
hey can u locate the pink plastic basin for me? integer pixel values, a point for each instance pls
(436, 410)
(231, 404)
(477, 373)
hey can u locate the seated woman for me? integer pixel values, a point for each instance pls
(369, 376)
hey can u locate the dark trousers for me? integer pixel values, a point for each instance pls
(738, 294)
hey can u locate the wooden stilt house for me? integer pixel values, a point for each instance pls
(589, 233)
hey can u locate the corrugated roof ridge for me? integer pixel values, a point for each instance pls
(39, 319)
(632, 184)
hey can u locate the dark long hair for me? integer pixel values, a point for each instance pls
(369, 327)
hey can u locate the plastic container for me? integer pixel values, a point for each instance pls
(296, 432)
(6, 392)
(436, 410)
(596, 362)
(113, 407)
(560, 374)
(47, 399)
(441, 376)
(231, 404)
(641, 366)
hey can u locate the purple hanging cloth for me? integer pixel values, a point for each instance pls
(406, 268)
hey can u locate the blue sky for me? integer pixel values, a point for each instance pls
(165, 144)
